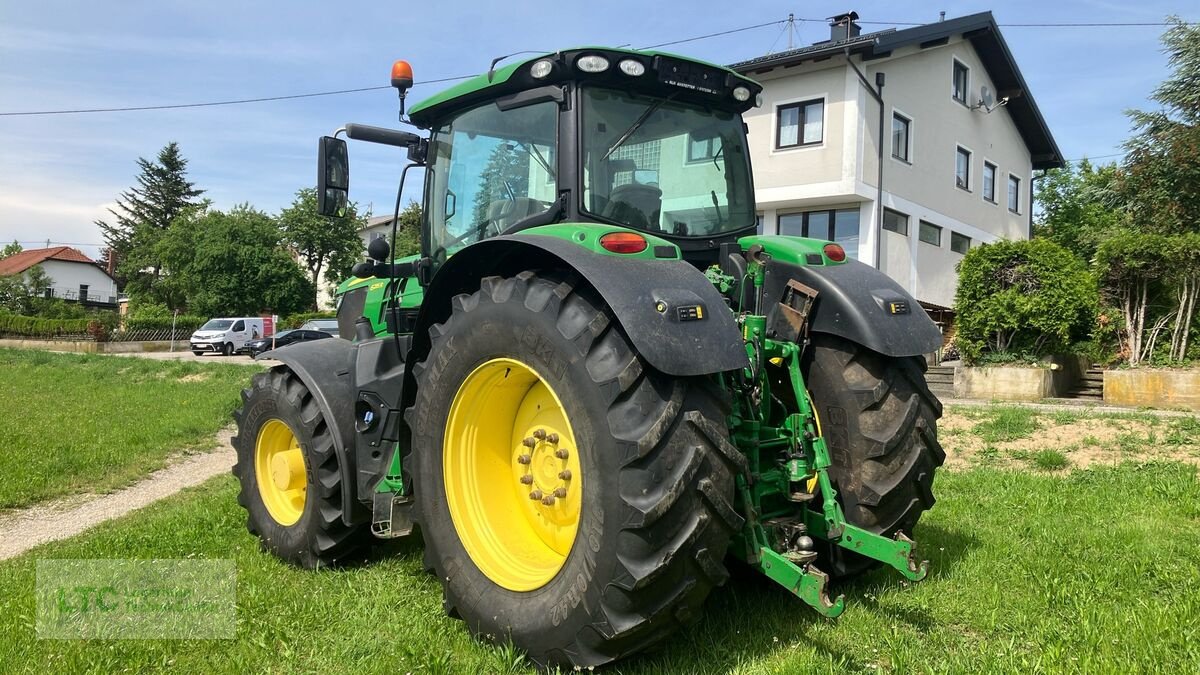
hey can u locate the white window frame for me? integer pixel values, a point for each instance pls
(970, 161)
(940, 230)
(966, 100)
(954, 234)
(911, 145)
(1007, 189)
(983, 183)
(775, 120)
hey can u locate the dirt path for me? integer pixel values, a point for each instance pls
(24, 529)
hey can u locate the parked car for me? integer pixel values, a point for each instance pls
(328, 325)
(283, 339)
(226, 335)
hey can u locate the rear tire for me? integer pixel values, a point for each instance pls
(656, 512)
(318, 538)
(880, 422)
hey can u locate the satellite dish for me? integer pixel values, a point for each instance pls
(986, 99)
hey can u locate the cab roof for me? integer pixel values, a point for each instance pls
(714, 82)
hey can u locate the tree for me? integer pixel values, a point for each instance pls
(1161, 177)
(1079, 207)
(325, 243)
(1132, 267)
(144, 213)
(408, 232)
(11, 249)
(1022, 297)
(231, 263)
(505, 176)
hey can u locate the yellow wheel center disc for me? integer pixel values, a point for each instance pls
(280, 472)
(512, 476)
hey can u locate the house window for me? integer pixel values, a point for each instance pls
(901, 127)
(989, 182)
(758, 223)
(894, 221)
(962, 168)
(840, 225)
(962, 81)
(959, 243)
(930, 233)
(800, 124)
(703, 149)
(1014, 194)
(83, 291)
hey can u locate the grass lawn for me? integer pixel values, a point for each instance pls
(1086, 571)
(79, 423)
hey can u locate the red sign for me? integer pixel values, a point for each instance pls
(268, 326)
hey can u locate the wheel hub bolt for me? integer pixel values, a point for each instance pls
(562, 453)
(560, 492)
(527, 479)
(540, 434)
(529, 442)
(536, 494)
(524, 459)
(565, 474)
(552, 438)
(548, 500)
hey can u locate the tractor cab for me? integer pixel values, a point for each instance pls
(640, 140)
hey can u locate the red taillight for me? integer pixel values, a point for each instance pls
(835, 252)
(623, 242)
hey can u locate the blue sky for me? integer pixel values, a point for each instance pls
(59, 172)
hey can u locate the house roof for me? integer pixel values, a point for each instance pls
(983, 34)
(17, 263)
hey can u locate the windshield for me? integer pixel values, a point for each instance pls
(662, 166)
(283, 334)
(489, 169)
(217, 324)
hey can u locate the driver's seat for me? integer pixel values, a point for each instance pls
(635, 204)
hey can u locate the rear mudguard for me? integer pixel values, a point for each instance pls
(859, 303)
(325, 367)
(653, 300)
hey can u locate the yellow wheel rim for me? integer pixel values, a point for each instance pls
(513, 483)
(279, 471)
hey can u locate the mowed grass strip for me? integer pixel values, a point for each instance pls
(83, 423)
(1087, 571)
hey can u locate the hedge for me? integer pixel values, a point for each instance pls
(296, 320)
(184, 323)
(33, 327)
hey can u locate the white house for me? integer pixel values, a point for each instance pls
(962, 138)
(74, 276)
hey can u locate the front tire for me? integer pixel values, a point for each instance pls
(291, 486)
(880, 422)
(654, 483)
(227, 349)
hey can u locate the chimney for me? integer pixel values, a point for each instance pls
(843, 27)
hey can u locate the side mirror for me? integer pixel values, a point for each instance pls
(333, 176)
(451, 203)
(378, 249)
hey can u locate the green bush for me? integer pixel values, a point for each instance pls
(1030, 298)
(183, 322)
(34, 327)
(296, 320)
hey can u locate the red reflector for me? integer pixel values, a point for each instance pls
(623, 242)
(835, 252)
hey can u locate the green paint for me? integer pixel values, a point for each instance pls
(393, 481)
(789, 249)
(587, 235)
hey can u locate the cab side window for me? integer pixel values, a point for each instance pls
(239, 326)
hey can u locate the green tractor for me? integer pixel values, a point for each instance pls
(596, 386)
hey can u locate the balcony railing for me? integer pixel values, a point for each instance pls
(72, 295)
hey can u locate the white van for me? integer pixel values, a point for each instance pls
(226, 336)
